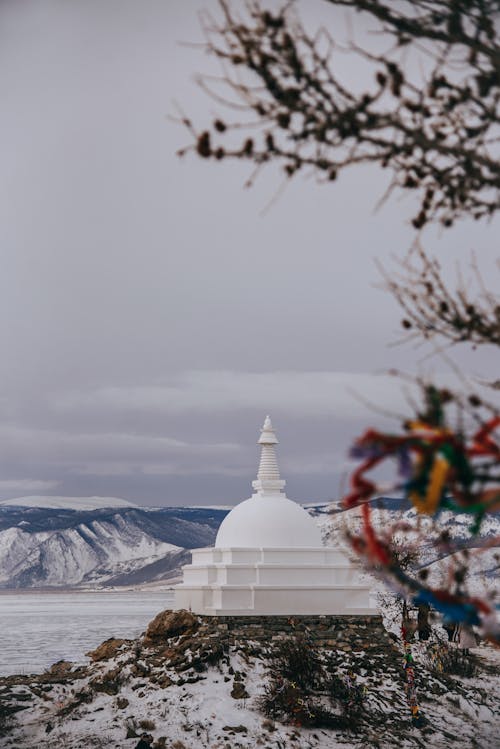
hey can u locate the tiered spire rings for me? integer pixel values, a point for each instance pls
(268, 477)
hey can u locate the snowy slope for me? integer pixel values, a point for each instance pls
(481, 559)
(90, 552)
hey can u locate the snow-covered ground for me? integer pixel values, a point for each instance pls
(182, 700)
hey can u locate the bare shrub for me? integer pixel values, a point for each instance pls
(298, 661)
(305, 689)
(457, 664)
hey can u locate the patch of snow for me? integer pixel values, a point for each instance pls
(67, 503)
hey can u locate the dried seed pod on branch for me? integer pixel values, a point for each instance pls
(432, 309)
(437, 132)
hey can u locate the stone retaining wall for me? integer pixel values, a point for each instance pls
(348, 633)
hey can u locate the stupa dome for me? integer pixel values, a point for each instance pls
(273, 521)
(268, 519)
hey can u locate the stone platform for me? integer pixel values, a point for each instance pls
(347, 633)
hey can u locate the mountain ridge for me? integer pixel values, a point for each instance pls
(61, 547)
(44, 547)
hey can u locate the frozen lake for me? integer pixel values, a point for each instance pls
(38, 629)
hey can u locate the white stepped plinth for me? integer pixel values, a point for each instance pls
(272, 581)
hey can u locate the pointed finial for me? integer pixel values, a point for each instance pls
(268, 476)
(267, 436)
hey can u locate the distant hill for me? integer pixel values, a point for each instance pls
(68, 503)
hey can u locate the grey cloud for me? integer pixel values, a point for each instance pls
(313, 393)
(24, 486)
(150, 314)
(66, 448)
(344, 395)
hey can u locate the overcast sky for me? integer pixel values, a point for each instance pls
(151, 311)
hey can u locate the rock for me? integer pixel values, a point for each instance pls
(238, 691)
(122, 703)
(143, 744)
(236, 729)
(168, 624)
(83, 696)
(108, 683)
(106, 687)
(181, 666)
(140, 669)
(160, 743)
(168, 653)
(187, 642)
(107, 649)
(60, 668)
(165, 682)
(268, 725)
(147, 725)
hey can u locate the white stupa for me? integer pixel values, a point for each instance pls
(269, 558)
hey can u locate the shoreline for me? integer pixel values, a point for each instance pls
(65, 591)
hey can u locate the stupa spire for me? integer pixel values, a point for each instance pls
(268, 476)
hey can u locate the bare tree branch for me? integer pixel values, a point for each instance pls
(432, 309)
(438, 139)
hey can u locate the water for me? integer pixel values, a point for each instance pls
(38, 629)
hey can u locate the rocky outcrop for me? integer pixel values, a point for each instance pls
(169, 624)
(107, 649)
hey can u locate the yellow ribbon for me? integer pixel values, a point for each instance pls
(437, 477)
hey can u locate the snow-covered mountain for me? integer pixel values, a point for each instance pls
(45, 542)
(45, 546)
(68, 503)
